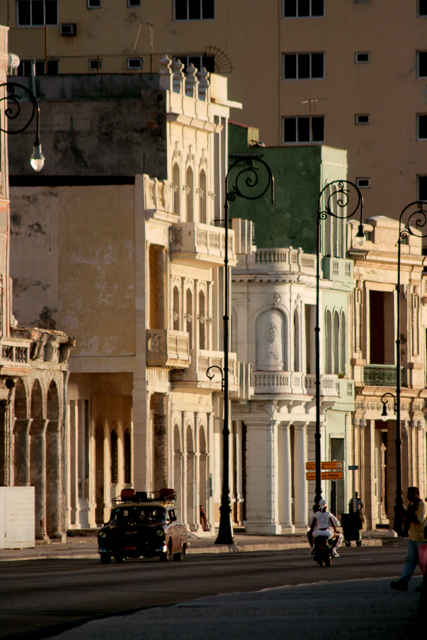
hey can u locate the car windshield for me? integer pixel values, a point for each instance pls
(139, 515)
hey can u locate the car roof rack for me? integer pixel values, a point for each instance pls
(167, 496)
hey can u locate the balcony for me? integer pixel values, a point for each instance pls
(195, 376)
(191, 241)
(381, 375)
(286, 382)
(168, 348)
(14, 356)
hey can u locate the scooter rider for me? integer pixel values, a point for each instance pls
(324, 523)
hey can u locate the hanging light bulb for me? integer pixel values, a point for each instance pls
(37, 159)
(360, 236)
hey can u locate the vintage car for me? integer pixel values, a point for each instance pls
(144, 525)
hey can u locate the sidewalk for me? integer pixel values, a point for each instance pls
(85, 547)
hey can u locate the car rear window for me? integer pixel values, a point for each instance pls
(143, 515)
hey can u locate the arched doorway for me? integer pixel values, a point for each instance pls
(21, 448)
(38, 458)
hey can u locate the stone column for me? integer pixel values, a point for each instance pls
(107, 472)
(370, 501)
(285, 478)
(22, 452)
(239, 471)
(300, 482)
(184, 469)
(38, 474)
(196, 485)
(272, 476)
(160, 442)
(54, 491)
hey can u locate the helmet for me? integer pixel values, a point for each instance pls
(323, 505)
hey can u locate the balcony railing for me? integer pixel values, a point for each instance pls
(14, 353)
(293, 382)
(168, 348)
(202, 241)
(381, 375)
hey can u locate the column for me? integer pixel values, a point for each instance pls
(22, 452)
(273, 526)
(83, 504)
(107, 473)
(54, 492)
(184, 470)
(239, 472)
(160, 457)
(196, 484)
(285, 478)
(370, 501)
(300, 482)
(38, 474)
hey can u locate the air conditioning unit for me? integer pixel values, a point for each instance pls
(68, 29)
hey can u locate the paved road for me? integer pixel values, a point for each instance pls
(41, 598)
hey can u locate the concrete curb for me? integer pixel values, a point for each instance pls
(91, 555)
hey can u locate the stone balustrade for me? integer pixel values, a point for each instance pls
(293, 382)
(168, 348)
(15, 355)
(204, 242)
(274, 260)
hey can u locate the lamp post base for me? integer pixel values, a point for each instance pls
(225, 531)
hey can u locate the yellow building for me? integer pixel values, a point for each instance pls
(358, 67)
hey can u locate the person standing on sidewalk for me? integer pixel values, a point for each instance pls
(415, 518)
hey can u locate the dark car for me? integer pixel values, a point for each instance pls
(141, 525)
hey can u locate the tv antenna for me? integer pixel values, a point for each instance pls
(311, 102)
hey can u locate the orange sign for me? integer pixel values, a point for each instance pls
(334, 464)
(326, 475)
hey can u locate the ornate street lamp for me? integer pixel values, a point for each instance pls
(249, 172)
(339, 199)
(13, 111)
(415, 225)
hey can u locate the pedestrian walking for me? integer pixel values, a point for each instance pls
(415, 518)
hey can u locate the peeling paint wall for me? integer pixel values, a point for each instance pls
(72, 263)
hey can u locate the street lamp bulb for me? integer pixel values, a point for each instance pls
(384, 418)
(37, 159)
(360, 236)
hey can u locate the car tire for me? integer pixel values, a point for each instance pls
(167, 556)
(105, 558)
(180, 555)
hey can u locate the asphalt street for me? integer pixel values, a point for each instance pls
(42, 598)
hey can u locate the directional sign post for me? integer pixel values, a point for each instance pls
(333, 464)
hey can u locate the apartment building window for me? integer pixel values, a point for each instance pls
(422, 8)
(93, 4)
(303, 66)
(208, 62)
(362, 118)
(302, 129)
(422, 188)
(134, 3)
(362, 57)
(194, 9)
(24, 68)
(134, 63)
(363, 183)
(422, 64)
(303, 8)
(421, 127)
(36, 13)
(95, 64)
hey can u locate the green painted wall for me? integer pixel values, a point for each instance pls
(299, 174)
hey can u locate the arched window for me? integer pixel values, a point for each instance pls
(328, 342)
(128, 457)
(189, 186)
(176, 309)
(114, 458)
(189, 317)
(176, 188)
(296, 342)
(336, 344)
(343, 344)
(203, 197)
(202, 321)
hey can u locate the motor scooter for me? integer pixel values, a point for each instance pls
(323, 551)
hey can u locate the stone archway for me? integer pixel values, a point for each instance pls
(38, 458)
(21, 432)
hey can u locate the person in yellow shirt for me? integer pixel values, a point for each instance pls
(415, 519)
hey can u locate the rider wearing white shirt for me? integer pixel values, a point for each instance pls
(324, 523)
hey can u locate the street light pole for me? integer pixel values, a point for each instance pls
(249, 172)
(339, 199)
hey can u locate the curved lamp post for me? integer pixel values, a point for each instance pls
(252, 178)
(13, 112)
(415, 215)
(339, 199)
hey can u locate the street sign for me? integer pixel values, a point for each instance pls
(334, 464)
(326, 475)
(353, 467)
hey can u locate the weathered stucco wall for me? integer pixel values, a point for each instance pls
(72, 261)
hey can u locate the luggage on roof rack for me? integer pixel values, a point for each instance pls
(130, 495)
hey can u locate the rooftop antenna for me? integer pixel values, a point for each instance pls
(151, 39)
(310, 102)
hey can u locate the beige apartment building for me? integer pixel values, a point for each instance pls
(347, 73)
